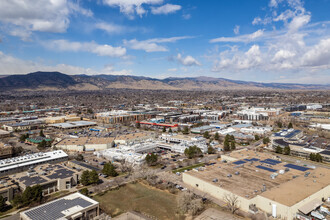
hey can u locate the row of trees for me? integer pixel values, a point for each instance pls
(315, 157)
(286, 150)
(30, 195)
(89, 177)
(193, 152)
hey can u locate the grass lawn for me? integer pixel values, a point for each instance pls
(141, 198)
(188, 168)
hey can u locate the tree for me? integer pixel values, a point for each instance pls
(109, 169)
(279, 124)
(232, 202)
(138, 125)
(287, 150)
(17, 200)
(278, 150)
(84, 191)
(164, 129)
(80, 157)
(2, 204)
(216, 136)
(266, 140)
(226, 146)
(193, 152)
(312, 157)
(23, 137)
(185, 130)
(232, 145)
(84, 179)
(189, 203)
(206, 135)
(151, 159)
(42, 145)
(210, 150)
(290, 125)
(41, 134)
(256, 137)
(93, 177)
(90, 111)
(170, 130)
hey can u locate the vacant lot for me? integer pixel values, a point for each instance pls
(141, 198)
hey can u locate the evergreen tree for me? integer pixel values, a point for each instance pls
(41, 134)
(84, 191)
(2, 204)
(210, 150)
(226, 146)
(290, 125)
(164, 129)
(232, 145)
(216, 136)
(206, 135)
(279, 150)
(109, 169)
(93, 177)
(170, 130)
(84, 179)
(185, 130)
(151, 159)
(287, 150)
(256, 137)
(266, 140)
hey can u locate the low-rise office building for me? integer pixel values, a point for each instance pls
(4, 134)
(6, 151)
(22, 163)
(73, 125)
(259, 182)
(51, 177)
(85, 144)
(72, 207)
(8, 188)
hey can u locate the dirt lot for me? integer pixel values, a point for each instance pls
(140, 198)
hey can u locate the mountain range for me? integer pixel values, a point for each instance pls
(59, 81)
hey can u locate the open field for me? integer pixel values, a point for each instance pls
(140, 198)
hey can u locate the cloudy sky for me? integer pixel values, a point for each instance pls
(255, 40)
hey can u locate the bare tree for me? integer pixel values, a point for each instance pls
(188, 203)
(126, 167)
(232, 202)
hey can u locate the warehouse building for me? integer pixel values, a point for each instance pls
(260, 183)
(22, 163)
(85, 144)
(72, 207)
(73, 125)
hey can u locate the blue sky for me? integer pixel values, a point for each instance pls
(253, 40)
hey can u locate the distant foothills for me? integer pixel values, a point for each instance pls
(59, 82)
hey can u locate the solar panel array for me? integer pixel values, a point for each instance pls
(239, 162)
(296, 167)
(53, 210)
(266, 168)
(252, 159)
(61, 173)
(29, 181)
(270, 161)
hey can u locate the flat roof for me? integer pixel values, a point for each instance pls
(60, 208)
(74, 124)
(287, 188)
(30, 159)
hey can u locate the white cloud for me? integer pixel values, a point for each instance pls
(39, 15)
(298, 47)
(236, 29)
(130, 7)
(242, 38)
(188, 60)
(110, 28)
(172, 69)
(92, 47)
(186, 16)
(165, 9)
(152, 45)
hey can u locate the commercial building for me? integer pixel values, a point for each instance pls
(73, 125)
(85, 143)
(61, 119)
(25, 125)
(203, 129)
(118, 154)
(21, 163)
(5, 151)
(134, 137)
(178, 143)
(72, 207)
(4, 134)
(262, 183)
(256, 130)
(120, 116)
(257, 113)
(8, 188)
(51, 177)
